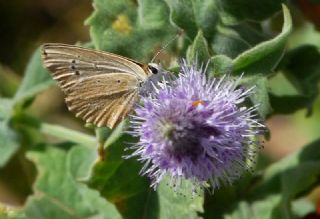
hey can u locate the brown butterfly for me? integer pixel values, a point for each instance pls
(100, 87)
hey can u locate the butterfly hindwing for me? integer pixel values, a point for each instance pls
(100, 87)
(103, 111)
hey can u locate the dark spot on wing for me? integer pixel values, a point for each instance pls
(77, 72)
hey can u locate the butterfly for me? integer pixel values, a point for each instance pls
(100, 87)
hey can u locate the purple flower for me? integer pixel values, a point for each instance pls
(196, 128)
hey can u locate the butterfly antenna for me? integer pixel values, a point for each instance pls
(167, 44)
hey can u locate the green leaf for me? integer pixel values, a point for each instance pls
(233, 12)
(206, 16)
(260, 96)
(303, 63)
(119, 181)
(288, 104)
(9, 143)
(9, 81)
(302, 207)
(271, 179)
(302, 68)
(221, 65)
(121, 14)
(227, 197)
(176, 206)
(9, 212)
(116, 133)
(67, 134)
(198, 50)
(298, 179)
(115, 27)
(106, 175)
(36, 79)
(233, 40)
(242, 211)
(5, 108)
(264, 209)
(182, 15)
(58, 194)
(228, 42)
(251, 32)
(153, 14)
(264, 57)
(220, 202)
(102, 134)
(192, 15)
(80, 162)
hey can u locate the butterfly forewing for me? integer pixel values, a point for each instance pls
(100, 87)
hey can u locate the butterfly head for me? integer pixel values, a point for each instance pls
(154, 68)
(156, 74)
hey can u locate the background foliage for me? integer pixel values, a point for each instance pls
(55, 170)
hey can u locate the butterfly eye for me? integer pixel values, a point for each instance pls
(153, 69)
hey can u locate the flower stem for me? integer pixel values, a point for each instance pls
(68, 134)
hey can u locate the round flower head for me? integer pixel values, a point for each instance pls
(195, 128)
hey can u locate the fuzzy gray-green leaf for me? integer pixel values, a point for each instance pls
(264, 57)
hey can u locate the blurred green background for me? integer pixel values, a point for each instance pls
(26, 24)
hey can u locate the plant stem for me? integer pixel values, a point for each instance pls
(68, 134)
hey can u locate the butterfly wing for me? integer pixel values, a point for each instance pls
(100, 87)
